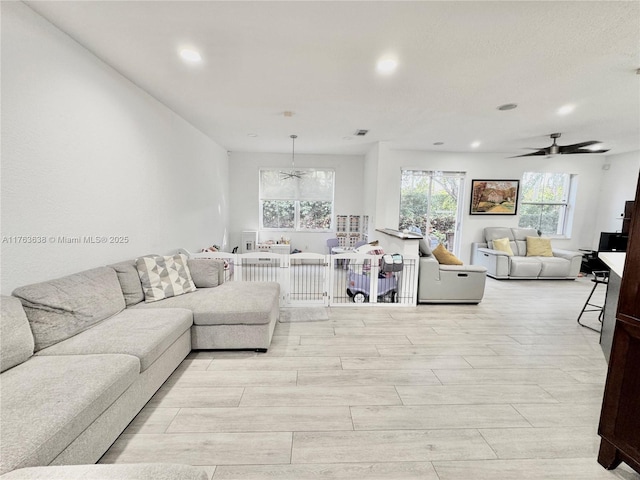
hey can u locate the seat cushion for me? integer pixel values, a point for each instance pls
(16, 341)
(48, 401)
(525, 267)
(145, 334)
(59, 309)
(554, 267)
(234, 303)
(136, 471)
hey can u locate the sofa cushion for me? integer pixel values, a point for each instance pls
(445, 257)
(491, 233)
(48, 401)
(145, 334)
(206, 272)
(16, 340)
(164, 277)
(423, 248)
(235, 303)
(129, 281)
(525, 267)
(539, 247)
(520, 235)
(503, 245)
(136, 471)
(61, 308)
(555, 267)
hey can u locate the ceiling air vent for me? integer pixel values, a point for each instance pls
(361, 133)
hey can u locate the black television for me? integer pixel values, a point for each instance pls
(612, 242)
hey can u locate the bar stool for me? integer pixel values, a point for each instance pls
(600, 277)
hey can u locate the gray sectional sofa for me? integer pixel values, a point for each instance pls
(81, 355)
(562, 264)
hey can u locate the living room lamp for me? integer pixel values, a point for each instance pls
(293, 173)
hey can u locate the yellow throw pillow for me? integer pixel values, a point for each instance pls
(503, 245)
(539, 247)
(445, 257)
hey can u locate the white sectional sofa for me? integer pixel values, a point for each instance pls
(562, 264)
(82, 354)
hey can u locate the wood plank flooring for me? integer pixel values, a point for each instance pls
(510, 388)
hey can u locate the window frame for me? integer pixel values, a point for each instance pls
(567, 204)
(298, 198)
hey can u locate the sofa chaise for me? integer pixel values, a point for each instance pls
(508, 253)
(82, 354)
(441, 283)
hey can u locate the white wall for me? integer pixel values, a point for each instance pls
(87, 153)
(618, 185)
(588, 169)
(244, 188)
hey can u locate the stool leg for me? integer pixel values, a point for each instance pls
(584, 308)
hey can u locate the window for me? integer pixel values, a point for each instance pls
(544, 203)
(431, 201)
(304, 203)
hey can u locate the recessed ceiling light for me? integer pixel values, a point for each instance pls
(252, 135)
(190, 55)
(508, 106)
(565, 109)
(387, 65)
(438, 143)
(475, 144)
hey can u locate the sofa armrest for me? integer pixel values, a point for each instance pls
(568, 254)
(575, 260)
(429, 269)
(496, 262)
(493, 252)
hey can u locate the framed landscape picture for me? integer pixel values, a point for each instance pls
(494, 197)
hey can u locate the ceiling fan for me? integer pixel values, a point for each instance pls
(293, 173)
(555, 149)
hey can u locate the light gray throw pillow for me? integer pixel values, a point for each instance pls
(206, 272)
(129, 282)
(16, 340)
(164, 277)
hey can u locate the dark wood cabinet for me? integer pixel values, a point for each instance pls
(620, 416)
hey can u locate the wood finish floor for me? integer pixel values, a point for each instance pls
(507, 389)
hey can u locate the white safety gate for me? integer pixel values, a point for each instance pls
(308, 279)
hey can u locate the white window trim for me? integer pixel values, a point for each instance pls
(296, 220)
(565, 221)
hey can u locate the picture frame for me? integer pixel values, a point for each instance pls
(494, 197)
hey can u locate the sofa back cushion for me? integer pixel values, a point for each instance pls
(61, 308)
(16, 340)
(206, 272)
(520, 235)
(164, 277)
(129, 282)
(493, 233)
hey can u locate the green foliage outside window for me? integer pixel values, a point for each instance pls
(544, 201)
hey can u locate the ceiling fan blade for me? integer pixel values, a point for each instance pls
(572, 148)
(586, 150)
(538, 153)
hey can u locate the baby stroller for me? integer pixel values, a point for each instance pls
(359, 280)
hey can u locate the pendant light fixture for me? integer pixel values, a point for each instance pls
(293, 173)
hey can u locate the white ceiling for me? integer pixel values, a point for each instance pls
(458, 61)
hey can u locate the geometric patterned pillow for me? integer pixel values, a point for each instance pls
(164, 277)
